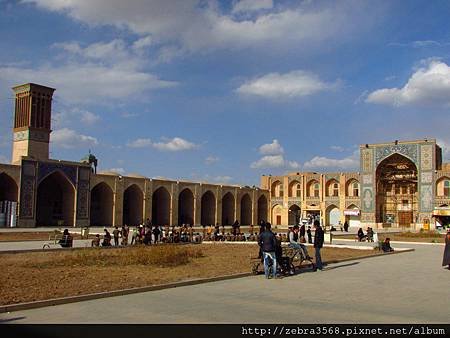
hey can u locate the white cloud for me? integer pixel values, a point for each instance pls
(195, 25)
(175, 144)
(69, 116)
(251, 5)
(140, 143)
(273, 148)
(274, 161)
(90, 74)
(89, 118)
(320, 162)
(296, 83)
(68, 138)
(430, 84)
(211, 160)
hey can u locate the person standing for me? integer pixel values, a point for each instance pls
(308, 232)
(116, 233)
(446, 259)
(346, 226)
(302, 233)
(268, 243)
(318, 244)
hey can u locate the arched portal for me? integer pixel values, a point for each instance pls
(353, 216)
(133, 203)
(228, 209)
(262, 209)
(161, 207)
(396, 184)
(294, 214)
(246, 210)
(55, 205)
(333, 215)
(186, 207)
(8, 188)
(208, 209)
(101, 205)
(277, 211)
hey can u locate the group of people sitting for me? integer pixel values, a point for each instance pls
(369, 237)
(147, 234)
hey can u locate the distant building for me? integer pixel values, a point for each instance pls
(400, 184)
(48, 192)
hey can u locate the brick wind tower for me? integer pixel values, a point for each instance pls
(32, 122)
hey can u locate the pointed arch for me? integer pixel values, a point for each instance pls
(161, 206)
(294, 214)
(277, 189)
(246, 210)
(55, 204)
(208, 209)
(9, 190)
(294, 189)
(228, 209)
(133, 205)
(101, 210)
(332, 215)
(262, 209)
(186, 207)
(352, 188)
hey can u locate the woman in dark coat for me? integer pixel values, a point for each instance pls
(446, 259)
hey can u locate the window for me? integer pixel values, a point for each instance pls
(298, 191)
(316, 189)
(447, 188)
(336, 189)
(281, 190)
(355, 189)
(397, 190)
(404, 190)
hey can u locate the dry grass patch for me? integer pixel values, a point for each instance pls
(43, 275)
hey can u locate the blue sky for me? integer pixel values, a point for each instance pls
(225, 91)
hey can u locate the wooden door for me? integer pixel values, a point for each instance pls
(405, 218)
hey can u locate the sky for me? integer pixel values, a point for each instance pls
(226, 91)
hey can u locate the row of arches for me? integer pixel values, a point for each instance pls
(56, 196)
(332, 214)
(102, 207)
(332, 188)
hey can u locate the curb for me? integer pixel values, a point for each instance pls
(99, 295)
(394, 242)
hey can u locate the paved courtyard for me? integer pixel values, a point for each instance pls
(406, 288)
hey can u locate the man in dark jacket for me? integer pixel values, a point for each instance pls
(318, 243)
(268, 244)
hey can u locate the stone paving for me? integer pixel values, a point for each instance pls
(409, 287)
